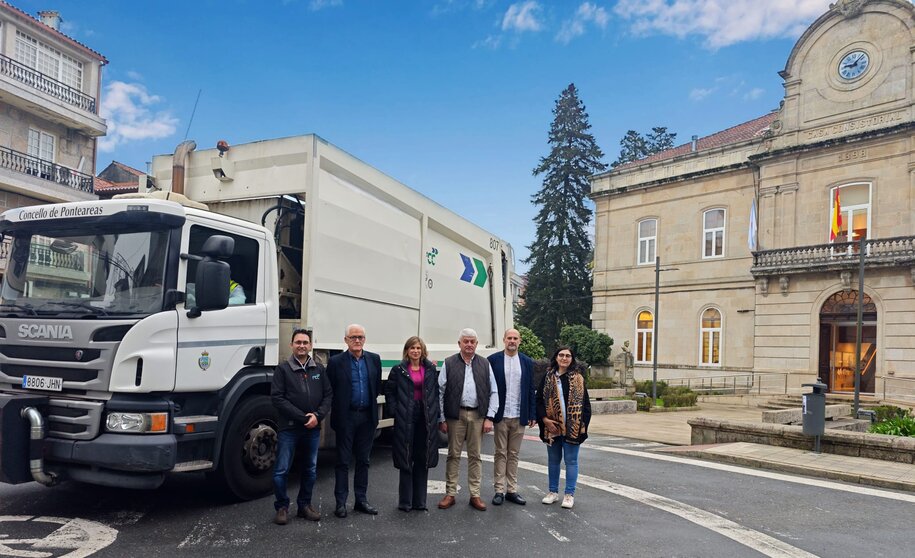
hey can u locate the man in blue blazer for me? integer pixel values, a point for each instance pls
(514, 373)
(355, 376)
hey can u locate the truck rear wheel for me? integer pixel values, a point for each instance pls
(249, 449)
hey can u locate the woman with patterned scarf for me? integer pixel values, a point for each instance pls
(563, 412)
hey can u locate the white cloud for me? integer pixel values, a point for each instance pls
(134, 75)
(754, 94)
(522, 16)
(450, 6)
(700, 93)
(721, 22)
(126, 107)
(316, 5)
(585, 14)
(491, 42)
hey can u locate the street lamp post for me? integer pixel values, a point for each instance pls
(859, 325)
(654, 333)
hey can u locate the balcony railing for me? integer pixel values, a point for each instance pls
(20, 162)
(4, 253)
(881, 252)
(44, 256)
(46, 84)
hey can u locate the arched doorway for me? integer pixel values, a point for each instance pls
(838, 327)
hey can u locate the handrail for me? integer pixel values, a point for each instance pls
(27, 164)
(46, 84)
(904, 390)
(745, 382)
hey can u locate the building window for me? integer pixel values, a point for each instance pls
(643, 334)
(41, 145)
(710, 337)
(648, 239)
(855, 210)
(49, 61)
(713, 233)
(41, 154)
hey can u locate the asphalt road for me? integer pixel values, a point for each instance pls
(632, 501)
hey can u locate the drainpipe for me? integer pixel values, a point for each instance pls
(36, 435)
(178, 161)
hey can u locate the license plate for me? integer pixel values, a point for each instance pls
(43, 383)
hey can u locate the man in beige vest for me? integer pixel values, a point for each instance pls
(469, 401)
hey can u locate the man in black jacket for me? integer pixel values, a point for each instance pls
(301, 391)
(355, 377)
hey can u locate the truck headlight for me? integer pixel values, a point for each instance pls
(137, 423)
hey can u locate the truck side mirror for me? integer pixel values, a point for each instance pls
(213, 275)
(212, 286)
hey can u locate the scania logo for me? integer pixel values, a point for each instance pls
(45, 331)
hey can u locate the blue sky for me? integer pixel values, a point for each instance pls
(451, 97)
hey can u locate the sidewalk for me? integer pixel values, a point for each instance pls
(672, 428)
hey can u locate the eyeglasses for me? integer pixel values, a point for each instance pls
(356, 337)
(563, 355)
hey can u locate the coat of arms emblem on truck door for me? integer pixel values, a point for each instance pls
(204, 361)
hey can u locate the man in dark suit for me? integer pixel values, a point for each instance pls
(355, 376)
(514, 373)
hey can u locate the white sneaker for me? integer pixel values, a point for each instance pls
(550, 498)
(568, 501)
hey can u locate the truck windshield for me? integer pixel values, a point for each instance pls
(76, 275)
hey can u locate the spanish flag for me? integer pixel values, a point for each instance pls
(836, 220)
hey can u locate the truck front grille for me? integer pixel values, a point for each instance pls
(74, 420)
(57, 354)
(66, 374)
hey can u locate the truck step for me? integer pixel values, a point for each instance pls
(187, 466)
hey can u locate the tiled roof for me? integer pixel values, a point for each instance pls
(736, 134)
(102, 185)
(70, 40)
(131, 170)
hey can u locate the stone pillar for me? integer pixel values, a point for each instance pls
(787, 213)
(766, 222)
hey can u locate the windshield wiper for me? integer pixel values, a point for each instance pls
(25, 307)
(81, 305)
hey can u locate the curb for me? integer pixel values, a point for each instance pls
(801, 470)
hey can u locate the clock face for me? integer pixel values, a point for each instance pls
(854, 64)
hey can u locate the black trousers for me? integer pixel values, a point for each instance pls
(413, 486)
(354, 444)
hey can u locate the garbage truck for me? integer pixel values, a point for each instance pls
(121, 357)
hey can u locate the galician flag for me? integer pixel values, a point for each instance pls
(836, 220)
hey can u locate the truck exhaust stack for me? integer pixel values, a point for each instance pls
(36, 434)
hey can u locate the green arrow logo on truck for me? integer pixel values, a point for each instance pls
(471, 268)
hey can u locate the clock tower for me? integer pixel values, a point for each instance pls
(850, 72)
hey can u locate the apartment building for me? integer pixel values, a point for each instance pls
(49, 121)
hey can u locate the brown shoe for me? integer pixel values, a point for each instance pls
(477, 503)
(446, 502)
(309, 513)
(282, 516)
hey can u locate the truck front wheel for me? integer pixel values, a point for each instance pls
(249, 449)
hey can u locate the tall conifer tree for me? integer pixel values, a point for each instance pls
(558, 288)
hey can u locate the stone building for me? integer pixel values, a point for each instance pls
(780, 302)
(118, 178)
(49, 121)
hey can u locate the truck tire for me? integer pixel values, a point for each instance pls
(249, 449)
